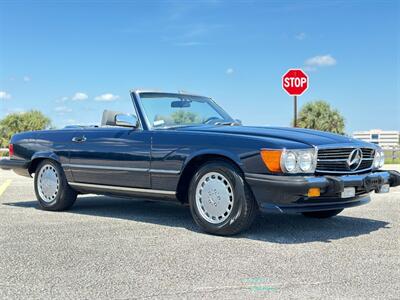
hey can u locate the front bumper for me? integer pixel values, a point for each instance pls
(289, 193)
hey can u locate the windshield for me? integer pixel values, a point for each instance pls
(171, 110)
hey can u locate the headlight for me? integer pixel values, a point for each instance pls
(290, 161)
(382, 160)
(379, 159)
(306, 161)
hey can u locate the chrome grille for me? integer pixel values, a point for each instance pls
(333, 160)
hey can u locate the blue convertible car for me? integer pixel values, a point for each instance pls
(183, 147)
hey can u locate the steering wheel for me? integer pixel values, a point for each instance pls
(210, 119)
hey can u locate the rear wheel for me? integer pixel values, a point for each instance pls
(220, 201)
(324, 214)
(51, 187)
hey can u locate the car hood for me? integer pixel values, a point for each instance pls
(300, 135)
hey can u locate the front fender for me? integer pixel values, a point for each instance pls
(218, 152)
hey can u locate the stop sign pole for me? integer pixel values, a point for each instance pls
(295, 82)
(295, 111)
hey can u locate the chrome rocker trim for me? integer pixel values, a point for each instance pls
(121, 188)
(97, 167)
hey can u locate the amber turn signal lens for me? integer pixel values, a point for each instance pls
(272, 159)
(314, 192)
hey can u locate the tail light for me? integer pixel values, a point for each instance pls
(10, 150)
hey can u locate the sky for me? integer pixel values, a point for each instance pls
(73, 59)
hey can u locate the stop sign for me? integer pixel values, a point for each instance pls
(295, 82)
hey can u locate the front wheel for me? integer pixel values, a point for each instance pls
(324, 214)
(220, 201)
(51, 187)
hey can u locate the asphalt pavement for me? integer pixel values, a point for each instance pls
(114, 248)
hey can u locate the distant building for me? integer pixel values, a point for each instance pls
(383, 138)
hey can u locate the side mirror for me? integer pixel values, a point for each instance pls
(126, 121)
(238, 121)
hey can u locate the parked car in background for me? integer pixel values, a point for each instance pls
(183, 147)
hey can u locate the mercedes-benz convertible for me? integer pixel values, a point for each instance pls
(185, 148)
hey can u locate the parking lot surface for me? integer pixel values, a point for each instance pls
(118, 248)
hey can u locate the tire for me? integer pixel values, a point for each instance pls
(323, 214)
(51, 187)
(219, 190)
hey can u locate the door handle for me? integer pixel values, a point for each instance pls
(79, 139)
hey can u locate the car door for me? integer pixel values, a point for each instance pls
(114, 156)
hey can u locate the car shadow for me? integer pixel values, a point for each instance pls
(273, 228)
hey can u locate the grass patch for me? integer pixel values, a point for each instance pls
(392, 159)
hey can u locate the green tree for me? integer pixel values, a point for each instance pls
(321, 116)
(185, 117)
(18, 122)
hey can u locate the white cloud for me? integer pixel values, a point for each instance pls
(106, 97)
(62, 110)
(229, 71)
(26, 78)
(321, 61)
(300, 36)
(62, 100)
(79, 96)
(4, 95)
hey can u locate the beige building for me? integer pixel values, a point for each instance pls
(384, 138)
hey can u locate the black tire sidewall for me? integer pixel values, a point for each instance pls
(57, 202)
(239, 205)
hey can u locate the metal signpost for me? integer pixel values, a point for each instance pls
(295, 82)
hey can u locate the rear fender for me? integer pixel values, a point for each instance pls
(46, 155)
(38, 156)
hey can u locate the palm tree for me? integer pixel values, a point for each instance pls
(321, 116)
(18, 122)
